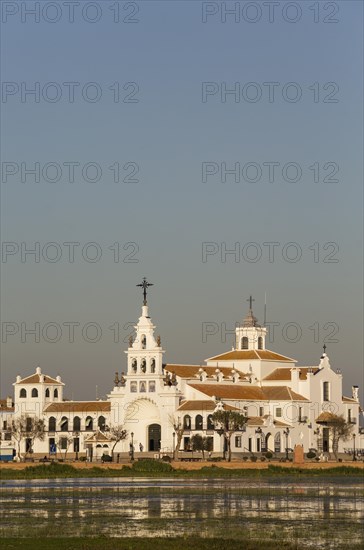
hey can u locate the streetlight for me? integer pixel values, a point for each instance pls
(132, 447)
(354, 454)
(286, 433)
(174, 447)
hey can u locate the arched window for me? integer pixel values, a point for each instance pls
(55, 394)
(23, 393)
(89, 424)
(152, 366)
(34, 392)
(199, 422)
(133, 387)
(210, 424)
(277, 442)
(142, 387)
(101, 423)
(134, 365)
(245, 342)
(64, 424)
(47, 392)
(52, 424)
(187, 422)
(144, 341)
(77, 424)
(260, 342)
(143, 366)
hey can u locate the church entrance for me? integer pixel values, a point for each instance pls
(154, 437)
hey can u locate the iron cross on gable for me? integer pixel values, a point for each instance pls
(144, 285)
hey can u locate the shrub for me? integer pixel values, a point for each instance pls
(311, 454)
(82, 459)
(166, 458)
(151, 466)
(262, 458)
(268, 455)
(253, 458)
(245, 458)
(106, 458)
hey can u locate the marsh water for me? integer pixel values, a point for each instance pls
(316, 514)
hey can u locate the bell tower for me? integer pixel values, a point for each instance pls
(250, 335)
(145, 354)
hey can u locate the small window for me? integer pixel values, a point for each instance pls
(52, 424)
(238, 441)
(144, 341)
(101, 423)
(349, 415)
(260, 342)
(326, 391)
(245, 343)
(23, 393)
(77, 424)
(64, 424)
(199, 422)
(142, 387)
(89, 424)
(258, 444)
(5, 425)
(210, 424)
(187, 422)
(47, 392)
(134, 365)
(55, 394)
(261, 411)
(64, 443)
(133, 387)
(34, 392)
(143, 366)
(152, 366)
(277, 443)
(278, 412)
(152, 386)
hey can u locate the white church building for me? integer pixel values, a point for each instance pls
(285, 404)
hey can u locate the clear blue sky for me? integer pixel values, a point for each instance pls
(170, 212)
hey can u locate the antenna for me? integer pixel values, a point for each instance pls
(97, 391)
(265, 308)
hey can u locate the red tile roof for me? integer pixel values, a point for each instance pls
(191, 371)
(284, 373)
(248, 393)
(35, 379)
(241, 355)
(79, 406)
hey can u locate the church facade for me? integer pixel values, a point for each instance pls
(285, 404)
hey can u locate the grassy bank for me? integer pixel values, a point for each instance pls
(143, 544)
(158, 469)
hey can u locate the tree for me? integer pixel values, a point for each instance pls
(201, 443)
(339, 429)
(29, 428)
(64, 443)
(117, 433)
(226, 423)
(177, 424)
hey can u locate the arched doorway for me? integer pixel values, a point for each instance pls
(154, 437)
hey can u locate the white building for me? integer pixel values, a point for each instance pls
(285, 404)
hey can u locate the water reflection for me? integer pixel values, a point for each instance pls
(128, 507)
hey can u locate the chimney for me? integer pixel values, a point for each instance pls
(235, 375)
(38, 370)
(219, 375)
(18, 378)
(295, 377)
(355, 392)
(202, 374)
(58, 378)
